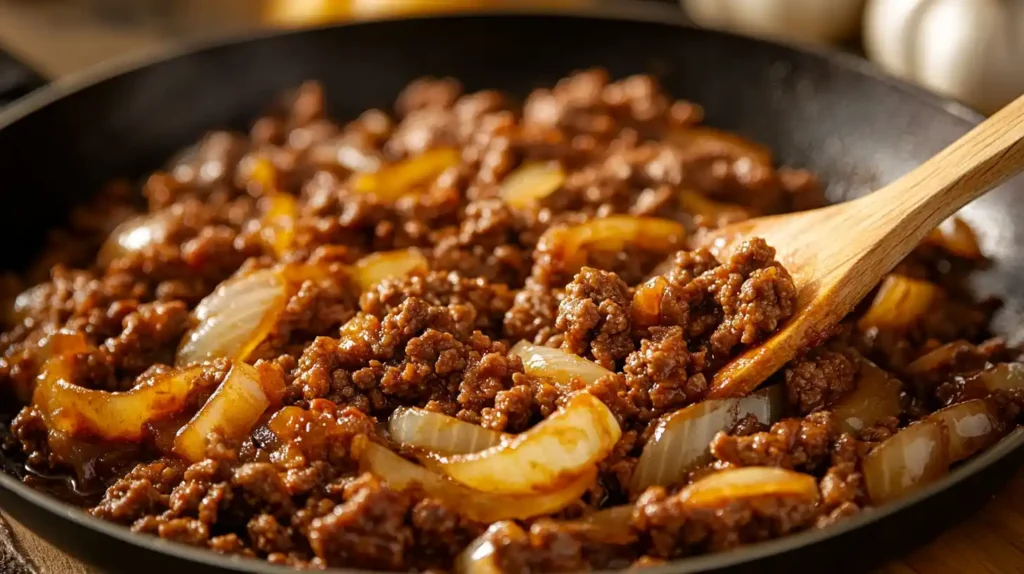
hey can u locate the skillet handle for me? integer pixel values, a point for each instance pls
(16, 78)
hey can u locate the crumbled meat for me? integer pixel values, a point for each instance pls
(292, 491)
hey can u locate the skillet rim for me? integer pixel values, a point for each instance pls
(652, 15)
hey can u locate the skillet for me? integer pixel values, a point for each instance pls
(830, 113)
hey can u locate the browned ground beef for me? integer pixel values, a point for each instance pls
(662, 321)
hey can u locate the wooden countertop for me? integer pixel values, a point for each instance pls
(59, 39)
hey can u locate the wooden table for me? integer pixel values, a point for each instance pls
(61, 40)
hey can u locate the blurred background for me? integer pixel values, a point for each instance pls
(972, 50)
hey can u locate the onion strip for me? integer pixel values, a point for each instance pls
(559, 366)
(531, 182)
(480, 557)
(439, 433)
(971, 425)
(230, 412)
(906, 461)
(392, 181)
(726, 486)
(546, 457)
(379, 266)
(680, 440)
(900, 303)
(876, 396)
(402, 474)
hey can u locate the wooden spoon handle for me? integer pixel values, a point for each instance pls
(986, 156)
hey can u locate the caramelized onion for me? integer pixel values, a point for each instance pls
(707, 141)
(957, 238)
(900, 303)
(230, 412)
(614, 233)
(393, 181)
(531, 182)
(909, 459)
(708, 211)
(971, 425)
(439, 433)
(402, 474)
(546, 457)
(557, 365)
(135, 234)
(943, 355)
(480, 557)
(876, 396)
(1001, 377)
(278, 224)
(611, 526)
(376, 267)
(726, 486)
(122, 416)
(680, 440)
(646, 307)
(235, 318)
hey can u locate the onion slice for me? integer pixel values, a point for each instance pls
(726, 486)
(480, 557)
(557, 365)
(135, 234)
(278, 224)
(680, 440)
(900, 303)
(546, 457)
(876, 396)
(235, 318)
(123, 416)
(231, 412)
(971, 425)
(944, 355)
(439, 433)
(957, 238)
(531, 182)
(570, 244)
(392, 181)
(709, 212)
(908, 460)
(1001, 377)
(377, 267)
(612, 525)
(402, 474)
(706, 141)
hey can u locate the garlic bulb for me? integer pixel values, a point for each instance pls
(806, 21)
(972, 50)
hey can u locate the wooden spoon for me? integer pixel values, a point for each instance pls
(837, 254)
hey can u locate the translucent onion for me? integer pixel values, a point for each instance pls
(123, 416)
(680, 440)
(646, 307)
(1002, 377)
(231, 412)
(972, 426)
(712, 142)
(908, 460)
(382, 265)
(393, 181)
(614, 233)
(876, 396)
(402, 474)
(943, 355)
(557, 365)
(727, 486)
(439, 433)
(235, 318)
(957, 238)
(611, 526)
(900, 303)
(480, 557)
(278, 223)
(711, 212)
(548, 456)
(531, 182)
(135, 234)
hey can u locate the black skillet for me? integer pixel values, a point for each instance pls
(827, 112)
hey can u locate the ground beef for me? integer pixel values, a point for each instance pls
(818, 380)
(791, 443)
(663, 320)
(594, 316)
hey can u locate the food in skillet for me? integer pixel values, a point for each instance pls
(475, 336)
